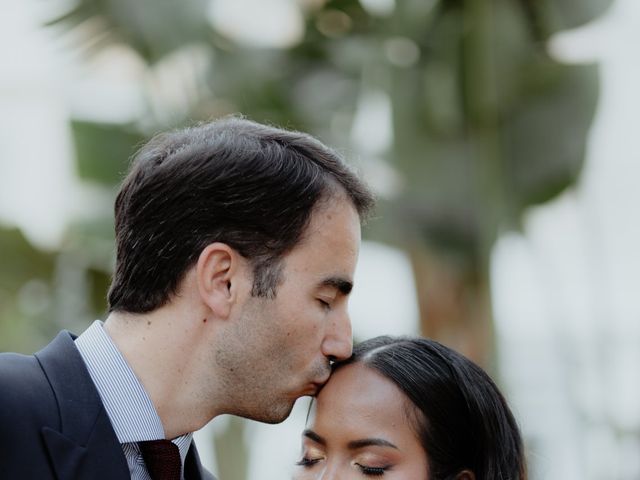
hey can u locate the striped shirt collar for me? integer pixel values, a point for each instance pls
(130, 410)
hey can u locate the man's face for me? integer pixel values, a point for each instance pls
(279, 349)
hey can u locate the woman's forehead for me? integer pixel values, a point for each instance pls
(357, 393)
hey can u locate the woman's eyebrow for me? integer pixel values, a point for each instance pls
(370, 442)
(354, 444)
(310, 434)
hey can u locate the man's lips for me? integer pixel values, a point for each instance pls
(312, 390)
(324, 379)
(317, 385)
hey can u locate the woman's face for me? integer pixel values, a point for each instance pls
(360, 428)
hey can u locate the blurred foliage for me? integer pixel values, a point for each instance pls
(42, 291)
(152, 27)
(25, 282)
(485, 124)
(103, 150)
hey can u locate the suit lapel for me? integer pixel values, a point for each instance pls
(193, 469)
(85, 445)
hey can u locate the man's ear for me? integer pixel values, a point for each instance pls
(217, 267)
(466, 475)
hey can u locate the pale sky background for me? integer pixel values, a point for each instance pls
(567, 318)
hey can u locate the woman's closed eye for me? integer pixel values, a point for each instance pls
(308, 462)
(372, 471)
(309, 459)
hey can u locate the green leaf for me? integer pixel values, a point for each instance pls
(545, 136)
(153, 28)
(21, 261)
(25, 293)
(103, 150)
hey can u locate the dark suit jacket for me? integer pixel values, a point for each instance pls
(53, 424)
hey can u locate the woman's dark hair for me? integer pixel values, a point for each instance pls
(461, 418)
(248, 185)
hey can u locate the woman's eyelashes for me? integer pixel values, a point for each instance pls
(367, 470)
(307, 462)
(310, 456)
(372, 471)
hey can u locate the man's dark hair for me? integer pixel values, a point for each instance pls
(459, 414)
(251, 186)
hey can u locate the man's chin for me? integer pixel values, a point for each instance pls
(275, 414)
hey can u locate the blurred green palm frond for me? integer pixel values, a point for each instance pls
(153, 28)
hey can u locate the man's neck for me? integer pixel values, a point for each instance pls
(166, 349)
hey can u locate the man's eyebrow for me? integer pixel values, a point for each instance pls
(370, 442)
(342, 285)
(314, 436)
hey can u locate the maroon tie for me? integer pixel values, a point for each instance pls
(162, 459)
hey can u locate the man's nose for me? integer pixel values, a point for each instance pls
(338, 342)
